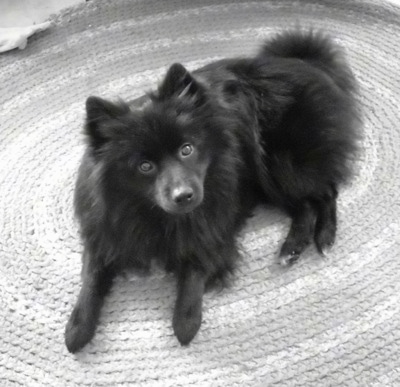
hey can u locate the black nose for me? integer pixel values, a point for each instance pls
(182, 195)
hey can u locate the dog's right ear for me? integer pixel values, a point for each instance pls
(101, 118)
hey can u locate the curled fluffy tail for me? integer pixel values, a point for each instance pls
(314, 48)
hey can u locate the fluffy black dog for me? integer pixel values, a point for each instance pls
(173, 176)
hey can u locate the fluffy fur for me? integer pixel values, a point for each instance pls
(173, 176)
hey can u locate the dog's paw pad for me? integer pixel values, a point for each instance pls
(290, 252)
(324, 241)
(289, 259)
(325, 250)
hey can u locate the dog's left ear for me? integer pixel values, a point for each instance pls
(179, 83)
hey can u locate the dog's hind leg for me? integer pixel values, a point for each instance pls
(325, 227)
(300, 234)
(188, 308)
(82, 323)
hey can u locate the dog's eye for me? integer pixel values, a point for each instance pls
(146, 166)
(186, 150)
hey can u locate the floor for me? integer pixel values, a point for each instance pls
(18, 13)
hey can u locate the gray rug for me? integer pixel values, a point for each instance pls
(323, 322)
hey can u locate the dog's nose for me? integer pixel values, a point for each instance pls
(182, 195)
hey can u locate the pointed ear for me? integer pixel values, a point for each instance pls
(178, 82)
(99, 116)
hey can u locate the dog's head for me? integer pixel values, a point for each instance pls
(159, 153)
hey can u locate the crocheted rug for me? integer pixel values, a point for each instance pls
(323, 322)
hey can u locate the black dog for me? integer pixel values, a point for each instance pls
(176, 177)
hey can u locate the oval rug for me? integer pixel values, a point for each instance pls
(322, 322)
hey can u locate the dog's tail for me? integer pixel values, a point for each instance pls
(315, 48)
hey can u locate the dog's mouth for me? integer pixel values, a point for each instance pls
(180, 210)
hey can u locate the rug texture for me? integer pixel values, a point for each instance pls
(324, 322)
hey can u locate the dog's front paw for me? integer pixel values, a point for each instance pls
(325, 238)
(288, 259)
(186, 323)
(290, 252)
(79, 330)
